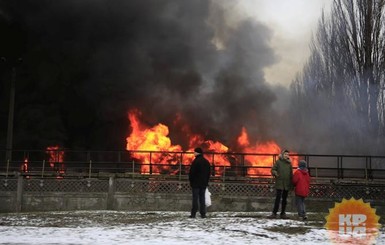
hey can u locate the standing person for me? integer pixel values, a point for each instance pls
(301, 181)
(282, 171)
(199, 176)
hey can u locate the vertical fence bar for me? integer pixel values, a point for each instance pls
(180, 166)
(366, 174)
(338, 168)
(180, 171)
(6, 173)
(224, 173)
(150, 163)
(42, 169)
(243, 167)
(89, 171)
(133, 168)
(369, 168)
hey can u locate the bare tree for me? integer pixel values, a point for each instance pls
(346, 69)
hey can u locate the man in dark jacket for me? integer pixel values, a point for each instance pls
(199, 176)
(282, 171)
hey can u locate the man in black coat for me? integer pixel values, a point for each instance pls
(199, 176)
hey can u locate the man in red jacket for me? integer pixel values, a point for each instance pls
(301, 181)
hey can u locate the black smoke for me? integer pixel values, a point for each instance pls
(87, 63)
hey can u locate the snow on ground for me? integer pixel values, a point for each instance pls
(124, 227)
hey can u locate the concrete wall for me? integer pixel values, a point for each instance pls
(27, 201)
(63, 201)
(221, 203)
(7, 202)
(51, 201)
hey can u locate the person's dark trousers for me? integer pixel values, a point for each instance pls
(198, 197)
(300, 201)
(280, 194)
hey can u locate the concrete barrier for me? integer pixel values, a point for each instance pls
(26, 195)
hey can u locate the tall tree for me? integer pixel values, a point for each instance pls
(346, 70)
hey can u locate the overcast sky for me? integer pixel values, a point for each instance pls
(293, 22)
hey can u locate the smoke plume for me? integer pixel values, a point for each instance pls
(87, 63)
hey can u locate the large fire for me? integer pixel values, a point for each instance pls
(156, 153)
(151, 148)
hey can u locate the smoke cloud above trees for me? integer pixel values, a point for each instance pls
(87, 63)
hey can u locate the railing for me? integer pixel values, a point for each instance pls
(175, 165)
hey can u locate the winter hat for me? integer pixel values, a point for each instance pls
(198, 150)
(284, 151)
(302, 164)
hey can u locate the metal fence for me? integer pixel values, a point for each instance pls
(227, 167)
(332, 191)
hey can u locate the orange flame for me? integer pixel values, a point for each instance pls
(260, 165)
(152, 147)
(56, 157)
(151, 139)
(219, 159)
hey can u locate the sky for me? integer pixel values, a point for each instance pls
(293, 23)
(139, 228)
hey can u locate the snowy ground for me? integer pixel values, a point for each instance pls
(118, 227)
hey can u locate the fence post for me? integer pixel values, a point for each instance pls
(180, 171)
(366, 174)
(42, 169)
(133, 169)
(180, 167)
(19, 194)
(111, 193)
(224, 174)
(89, 170)
(6, 173)
(150, 163)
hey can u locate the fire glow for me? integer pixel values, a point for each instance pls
(152, 149)
(56, 157)
(55, 161)
(152, 145)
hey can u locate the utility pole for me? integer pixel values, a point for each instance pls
(8, 155)
(9, 146)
